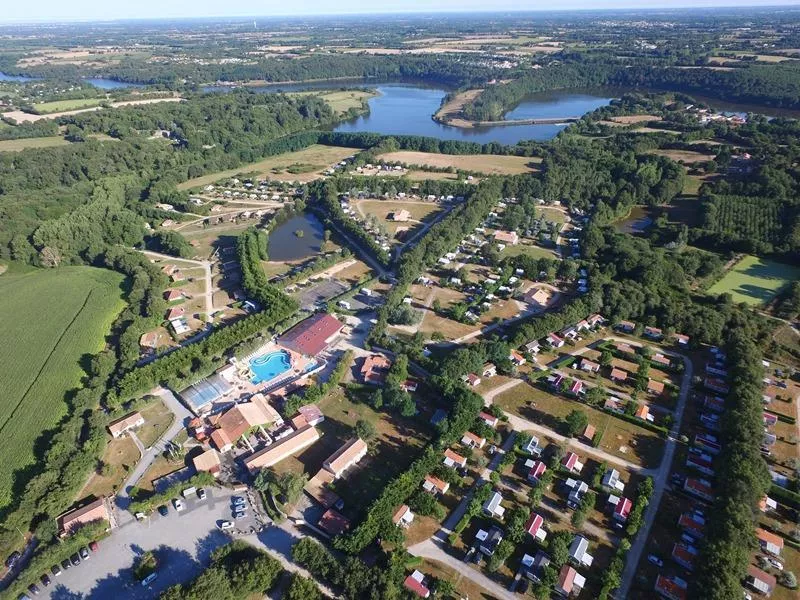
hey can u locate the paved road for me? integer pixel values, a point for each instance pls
(659, 483)
(182, 415)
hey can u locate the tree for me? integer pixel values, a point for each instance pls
(291, 486)
(444, 588)
(575, 422)
(365, 429)
(558, 548)
(145, 565)
(302, 588)
(596, 396)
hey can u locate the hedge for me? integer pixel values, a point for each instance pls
(149, 503)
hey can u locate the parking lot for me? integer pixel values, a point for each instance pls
(181, 541)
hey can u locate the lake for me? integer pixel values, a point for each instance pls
(402, 109)
(284, 244)
(407, 108)
(4, 77)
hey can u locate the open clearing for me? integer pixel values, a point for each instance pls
(25, 143)
(62, 105)
(310, 160)
(342, 101)
(685, 156)
(755, 280)
(489, 164)
(51, 320)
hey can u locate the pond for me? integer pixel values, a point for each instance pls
(285, 244)
(639, 219)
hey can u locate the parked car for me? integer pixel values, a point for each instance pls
(239, 514)
(201, 493)
(93, 546)
(65, 564)
(655, 560)
(149, 579)
(775, 563)
(238, 501)
(226, 525)
(178, 504)
(55, 570)
(45, 579)
(84, 552)
(33, 589)
(12, 559)
(75, 560)
(163, 510)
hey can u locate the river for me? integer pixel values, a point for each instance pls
(99, 82)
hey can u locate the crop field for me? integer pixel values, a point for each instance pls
(490, 164)
(309, 160)
(755, 280)
(51, 320)
(25, 143)
(62, 105)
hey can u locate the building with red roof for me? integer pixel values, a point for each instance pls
(535, 527)
(415, 583)
(312, 336)
(672, 588)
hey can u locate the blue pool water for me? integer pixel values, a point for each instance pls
(269, 366)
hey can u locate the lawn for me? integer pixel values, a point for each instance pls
(490, 164)
(52, 319)
(620, 438)
(398, 442)
(157, 419)
(62, 105)
(685, 156)
(308, 161)
(120, 457)
(531, 250)
(419, 211)
(38, 142)
(755, 281)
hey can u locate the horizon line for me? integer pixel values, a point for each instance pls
(244, 17)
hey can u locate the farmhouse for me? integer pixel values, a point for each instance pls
(769, 542)
(434, 485)
(451, 459)
(506, 237)
(94, 511)
(471, 440)
(570, 582)
(312, 336)
(403, 516)
(121, 426)
(375, 369)
(207, 462)
(618, 375)
(345, 457)
(415, 583)
(492, 507)
(400, 216)
(291, 444)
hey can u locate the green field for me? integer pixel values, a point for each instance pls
(62, 105)
(51, 321)
(25, 143)
(755, 280)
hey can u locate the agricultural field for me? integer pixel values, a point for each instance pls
(684, 156)
(307, 164)
(42, 357)
(755, 280)
(479, 163)
(341, 101)
(25, 143)
(62, 105)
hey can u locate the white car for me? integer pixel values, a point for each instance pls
(655, 560)
(226, 525)
(178, 504)
(149, 579)
(775, 563)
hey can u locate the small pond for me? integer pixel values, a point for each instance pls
(639, 219)
(286, 244)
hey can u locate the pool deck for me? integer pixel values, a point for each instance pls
(296, 373)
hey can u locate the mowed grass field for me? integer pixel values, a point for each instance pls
(313, 159)
(51, 321)
(755, 280)
(341, 101)
(25, 143)
(489, 164)
(62, 105)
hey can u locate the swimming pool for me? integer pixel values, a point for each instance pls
(269, 366)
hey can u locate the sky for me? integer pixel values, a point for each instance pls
(59, 10)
